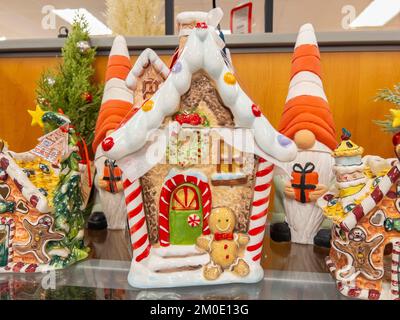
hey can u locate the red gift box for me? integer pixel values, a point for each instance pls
(304, 180)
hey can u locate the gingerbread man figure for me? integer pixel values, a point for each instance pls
(40, 234)
(223, 245)
(359, 253)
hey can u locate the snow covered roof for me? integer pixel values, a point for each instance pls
(30, 192)
(147, 57)
(201, 52)
(191, 16)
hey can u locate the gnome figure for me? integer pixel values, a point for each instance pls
(117, 107)
(307, 120)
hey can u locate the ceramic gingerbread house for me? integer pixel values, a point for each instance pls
(197, 162)
(364, 206)
(41, 201)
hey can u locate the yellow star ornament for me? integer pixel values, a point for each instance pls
(37, 115)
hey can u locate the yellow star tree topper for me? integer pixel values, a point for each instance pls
(37, 115)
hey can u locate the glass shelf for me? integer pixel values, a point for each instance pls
(292, 271)
(106, 279)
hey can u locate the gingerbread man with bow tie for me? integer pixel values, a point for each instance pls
(223, 245)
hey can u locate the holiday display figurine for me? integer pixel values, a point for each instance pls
(125, 91)
(42, 200)
(185, 166)
(308, 120)
(363, 204)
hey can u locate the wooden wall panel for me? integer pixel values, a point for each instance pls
(351, 81)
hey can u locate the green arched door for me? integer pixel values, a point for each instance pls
(185, 215)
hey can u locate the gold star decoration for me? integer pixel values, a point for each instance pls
(396, 117)
(37, 115)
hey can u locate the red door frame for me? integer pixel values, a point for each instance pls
(164, 204)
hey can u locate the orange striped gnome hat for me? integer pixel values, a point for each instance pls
(306, 105)
(117, 104)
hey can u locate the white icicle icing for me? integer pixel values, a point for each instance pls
(16, 173)
(201, 52)
(147, 57)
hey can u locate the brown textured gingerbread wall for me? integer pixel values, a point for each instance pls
(202, 89)
(238, 198)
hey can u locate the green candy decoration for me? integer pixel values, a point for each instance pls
(7, 206)
(392, 224)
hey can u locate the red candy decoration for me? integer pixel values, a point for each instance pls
(256, 110)
(396, 139)
(107, 144)
(88, 97)
(193, 119)
(34, 201)
(201, 25)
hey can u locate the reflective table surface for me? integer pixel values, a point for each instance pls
(292, 271)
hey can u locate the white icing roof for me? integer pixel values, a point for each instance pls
(191, 16)
(16, 173)
(201, 52)
(146, 57)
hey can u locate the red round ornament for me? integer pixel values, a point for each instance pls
(256, 110)
(107, 144)
(396, 139)
(87, 96)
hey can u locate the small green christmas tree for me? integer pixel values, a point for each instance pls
(68, 213)
(70, 87)
(392, 122)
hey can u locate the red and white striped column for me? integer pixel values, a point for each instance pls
(394, 287)
(11, 233)
(136, 220)
(259, 210)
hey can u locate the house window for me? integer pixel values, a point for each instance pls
(150, 86)
(229, 167)
(185, 198)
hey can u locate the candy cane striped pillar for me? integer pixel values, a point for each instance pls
(11, 234)
(395, 270)
(136, 220)
(259, 210)
(372, 200)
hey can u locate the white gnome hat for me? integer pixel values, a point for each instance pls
(117, 102)
(306, 106)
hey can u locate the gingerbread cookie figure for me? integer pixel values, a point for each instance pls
(223, 245)
(359, 252)
(40, 234)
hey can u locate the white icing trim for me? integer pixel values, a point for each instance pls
(201, 52)
(28, 188)
(191, 16)
(146, 57)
